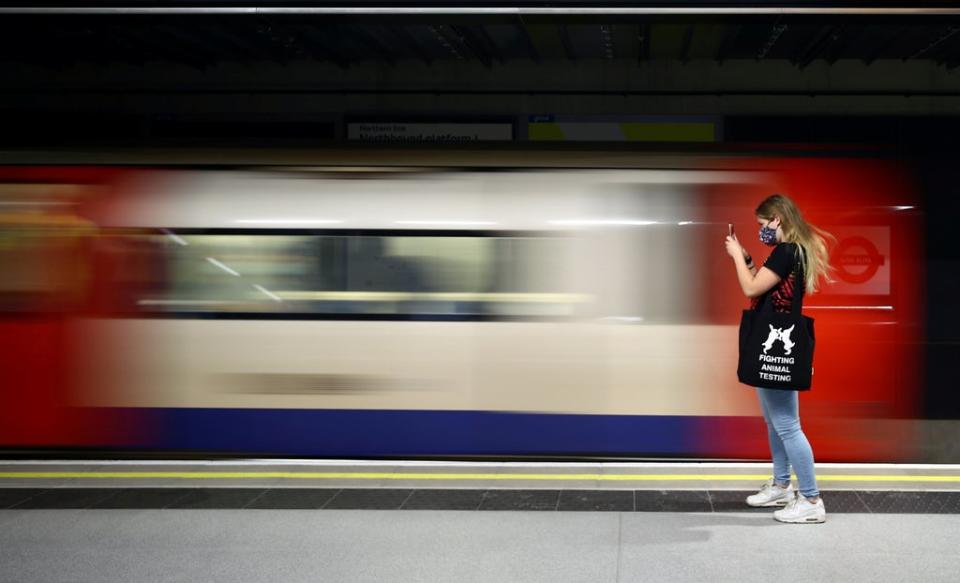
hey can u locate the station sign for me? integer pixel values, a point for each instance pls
(862, 261)
(419, 132)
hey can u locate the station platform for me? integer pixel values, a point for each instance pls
(341, 520)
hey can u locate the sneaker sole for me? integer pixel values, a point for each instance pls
(810, 520)
(774, 504)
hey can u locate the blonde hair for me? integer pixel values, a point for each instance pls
(815, 258)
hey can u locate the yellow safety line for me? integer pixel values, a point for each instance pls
(452, 476)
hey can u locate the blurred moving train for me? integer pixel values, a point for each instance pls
(442, 311)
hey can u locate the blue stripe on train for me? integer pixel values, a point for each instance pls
(347, 432)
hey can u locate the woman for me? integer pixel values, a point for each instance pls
(799, 251)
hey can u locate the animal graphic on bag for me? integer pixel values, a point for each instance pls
(779, 334)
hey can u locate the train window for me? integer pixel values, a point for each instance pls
(362, 275)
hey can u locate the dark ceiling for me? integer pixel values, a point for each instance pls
(203, 41)
(145, 77)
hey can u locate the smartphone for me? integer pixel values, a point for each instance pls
(730, 229)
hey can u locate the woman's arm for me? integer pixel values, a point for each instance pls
(754, 282)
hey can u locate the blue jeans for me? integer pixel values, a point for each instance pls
(788, 444)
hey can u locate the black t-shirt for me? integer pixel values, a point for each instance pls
(784, 261)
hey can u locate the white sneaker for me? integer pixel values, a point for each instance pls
(771, 495)
(802, 511)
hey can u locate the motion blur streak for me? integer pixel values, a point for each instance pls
(441, 312)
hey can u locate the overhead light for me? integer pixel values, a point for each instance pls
(175, 237)
(222, 266)
(603, 222)
(268, 293)
(453, 223)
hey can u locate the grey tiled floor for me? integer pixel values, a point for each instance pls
(840, 501)
(401, 547)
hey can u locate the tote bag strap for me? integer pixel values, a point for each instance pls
(766, 304)
(800, 283)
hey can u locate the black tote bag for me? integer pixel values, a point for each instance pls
(776, 349)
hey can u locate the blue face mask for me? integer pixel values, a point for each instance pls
(768, 236)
